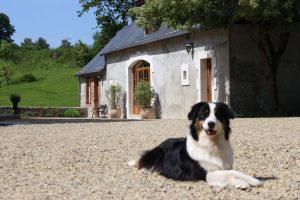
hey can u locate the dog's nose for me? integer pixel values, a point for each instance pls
(211, 124)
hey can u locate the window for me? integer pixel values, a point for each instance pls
(185, 74)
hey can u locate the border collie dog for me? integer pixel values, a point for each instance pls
(205, 154)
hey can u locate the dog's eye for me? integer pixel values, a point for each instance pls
(204, 114)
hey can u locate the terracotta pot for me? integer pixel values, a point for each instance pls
(147, 113)
(114, 113)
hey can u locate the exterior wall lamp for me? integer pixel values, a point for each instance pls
(189, 47)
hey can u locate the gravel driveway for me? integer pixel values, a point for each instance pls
(43, 159)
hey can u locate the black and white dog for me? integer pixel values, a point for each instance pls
(205, 154)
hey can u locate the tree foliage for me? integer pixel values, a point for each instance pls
(111, 16)
(41, 43)
(211, 14)
(65, 43)
(81, 52)
(5, 74)
(6, 49)
(28, 44)
(107, 11)
(6, 29)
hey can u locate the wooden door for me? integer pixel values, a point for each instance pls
(139, 74)
(209, 86)
(96, 93)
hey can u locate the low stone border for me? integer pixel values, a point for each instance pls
(42, 111)
(9, 116)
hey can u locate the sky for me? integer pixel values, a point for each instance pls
(53, 20)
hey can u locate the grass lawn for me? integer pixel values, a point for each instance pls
(55, 87)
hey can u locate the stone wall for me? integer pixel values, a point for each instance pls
(42, 111)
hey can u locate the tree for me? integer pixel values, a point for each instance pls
(6, 49)
(266, 17)
(28, 44)
(65, 43)
(107, 10)
(6, 29)
(41, 43)
(111, 16)
(81, 52)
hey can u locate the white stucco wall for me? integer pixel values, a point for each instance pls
(166, 59)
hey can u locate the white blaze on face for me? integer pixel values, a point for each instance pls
(211, 117)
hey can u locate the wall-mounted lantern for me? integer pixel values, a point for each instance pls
(189, 47)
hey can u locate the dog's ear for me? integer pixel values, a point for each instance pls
(195, 110)
(226, 110)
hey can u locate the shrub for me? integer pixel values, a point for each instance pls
(6, 74)
(144, 94)
(113, 95)
(71, 112)
(27, 78)
(15, 99)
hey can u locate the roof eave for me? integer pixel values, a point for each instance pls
(93, 71)
(143, 42)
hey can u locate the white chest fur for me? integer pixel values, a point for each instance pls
(211, 153)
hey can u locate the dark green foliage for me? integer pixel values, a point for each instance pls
(28, 44)
(15, 99)
(6, 29)
(71, 112)
(212, 14)
(27, 78)
(65, 43)
(6, 74)
(144, 94)
(103, 37)
(6, 49)
(111, 16)
(41, 43)
(108, 11)
(81, 52)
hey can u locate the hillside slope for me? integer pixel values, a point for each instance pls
(56, 83)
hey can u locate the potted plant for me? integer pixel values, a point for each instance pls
(15, 99)
(144, 93)
(113, 95)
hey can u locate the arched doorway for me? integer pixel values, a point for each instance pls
(141, 72)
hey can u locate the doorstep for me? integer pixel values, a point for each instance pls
(134, 117)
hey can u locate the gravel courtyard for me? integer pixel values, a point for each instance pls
(44, 159)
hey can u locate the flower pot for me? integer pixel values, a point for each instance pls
(115, 113)
(147, 113)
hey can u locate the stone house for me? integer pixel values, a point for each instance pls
(188, 67)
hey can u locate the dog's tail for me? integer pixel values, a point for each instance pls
(152, 160)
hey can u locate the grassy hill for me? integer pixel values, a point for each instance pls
(55, 83)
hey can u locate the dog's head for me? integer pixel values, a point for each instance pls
(213, 118)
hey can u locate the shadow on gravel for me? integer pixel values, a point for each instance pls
(26, 121)
(266, 178)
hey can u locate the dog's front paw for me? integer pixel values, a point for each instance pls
(254, 181)
(133, 163)
(244, 181)
(239, 183)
